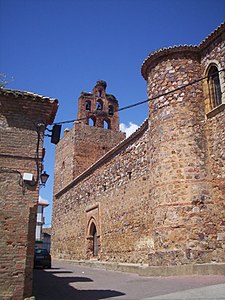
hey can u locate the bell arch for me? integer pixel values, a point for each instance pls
(107, 124)
(88, 105)
(92, 121)
(99, 104)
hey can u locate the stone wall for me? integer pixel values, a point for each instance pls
(177, 146)
(115, 194)
(19, 115)
(215, 134)
(157, 197)
(186, 157)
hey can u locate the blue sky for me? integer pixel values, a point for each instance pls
(58, 48)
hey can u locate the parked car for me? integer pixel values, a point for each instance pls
(42, 258)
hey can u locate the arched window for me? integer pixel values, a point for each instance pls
(214, 87)
(99, 105)
(111, 110)
(91, 121)
(106, 124)
(88, 105)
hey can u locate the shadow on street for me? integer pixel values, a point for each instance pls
(56, 284)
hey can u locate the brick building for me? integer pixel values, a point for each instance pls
(156, 198)
(40, 221)
(23, 118)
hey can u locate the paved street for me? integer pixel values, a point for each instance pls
(68, 281)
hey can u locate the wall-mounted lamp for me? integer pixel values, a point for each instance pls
(55, 136)
(44, 177)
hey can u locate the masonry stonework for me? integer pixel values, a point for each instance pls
(158, 197)
(20, 152)
(122, 220)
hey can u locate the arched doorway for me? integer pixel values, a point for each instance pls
(93, 238)
(93, 232)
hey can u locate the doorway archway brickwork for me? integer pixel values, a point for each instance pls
(93, 244)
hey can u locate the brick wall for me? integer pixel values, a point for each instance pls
(19, 115)
(102, 115)
(79, 149)
(63, 171)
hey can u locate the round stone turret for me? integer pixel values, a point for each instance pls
(177, 153)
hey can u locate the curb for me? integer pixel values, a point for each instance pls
(152, 271)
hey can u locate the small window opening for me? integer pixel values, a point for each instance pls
(111, 110)
(214, 87)
(99, 105)
(107, 124)
(63, 165)
(99, 93)
(88, 105)
(91, 121)
(129, 174)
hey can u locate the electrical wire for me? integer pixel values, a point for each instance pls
(70, 121)
(146, 100)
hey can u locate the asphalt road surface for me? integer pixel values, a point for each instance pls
(67, 281)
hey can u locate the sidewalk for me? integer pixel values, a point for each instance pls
(214, 292)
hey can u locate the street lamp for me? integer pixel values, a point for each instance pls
(44, 177)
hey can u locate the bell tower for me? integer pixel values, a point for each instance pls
(94, 133)
(99, 109)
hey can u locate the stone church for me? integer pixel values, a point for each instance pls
(156, 198)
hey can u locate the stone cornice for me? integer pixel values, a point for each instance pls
(155, 56)
(109, 155)
(25, 94)
(212, 36)
(184, 50)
